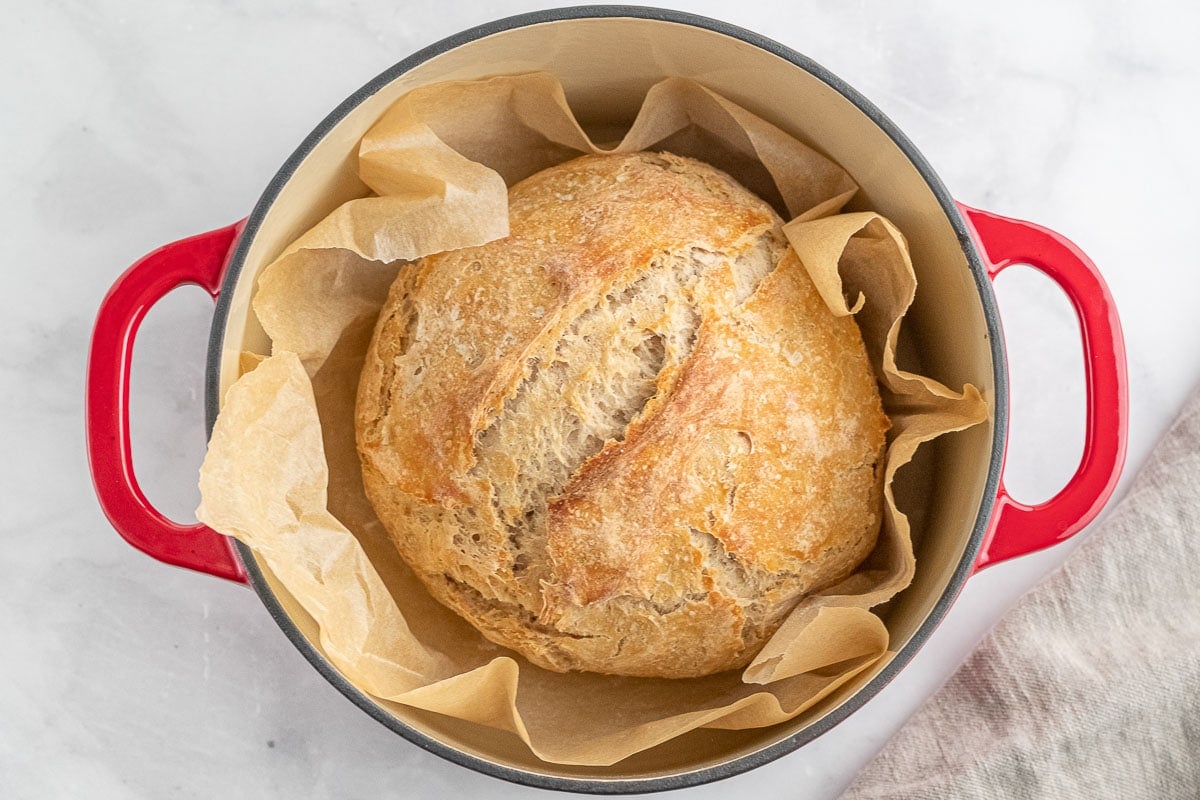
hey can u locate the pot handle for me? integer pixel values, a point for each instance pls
(1020, 529)
(199, 260)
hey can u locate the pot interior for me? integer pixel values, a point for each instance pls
(606, 65)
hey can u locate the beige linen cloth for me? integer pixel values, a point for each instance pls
(1090, 688)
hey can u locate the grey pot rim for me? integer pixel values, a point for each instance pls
(810, 732)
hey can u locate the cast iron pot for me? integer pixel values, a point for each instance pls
(606, 58)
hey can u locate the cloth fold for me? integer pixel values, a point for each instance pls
(1090, 687)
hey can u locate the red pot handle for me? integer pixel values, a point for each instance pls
(199, 260)
(1017, 528)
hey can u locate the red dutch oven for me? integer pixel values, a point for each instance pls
(606, 58)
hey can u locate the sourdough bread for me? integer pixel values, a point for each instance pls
(629, 437)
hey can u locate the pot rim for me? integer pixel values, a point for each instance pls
(965, 566)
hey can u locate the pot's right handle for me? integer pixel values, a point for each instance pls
(1018, 528)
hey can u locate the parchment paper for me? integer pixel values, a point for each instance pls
(282, 473)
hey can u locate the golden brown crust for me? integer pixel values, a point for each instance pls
(629, 437)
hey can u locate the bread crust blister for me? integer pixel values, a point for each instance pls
(630, 436)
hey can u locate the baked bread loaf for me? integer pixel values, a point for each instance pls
(630, 436)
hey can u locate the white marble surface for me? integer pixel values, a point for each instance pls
(124, 125)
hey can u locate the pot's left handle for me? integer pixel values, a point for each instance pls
(199, 260)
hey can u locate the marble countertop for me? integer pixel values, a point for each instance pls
(127, 124)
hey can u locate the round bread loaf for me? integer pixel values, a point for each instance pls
(630, 436)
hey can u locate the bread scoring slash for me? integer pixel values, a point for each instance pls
(629, 437)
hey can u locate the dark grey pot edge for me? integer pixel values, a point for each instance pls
(961, 573)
